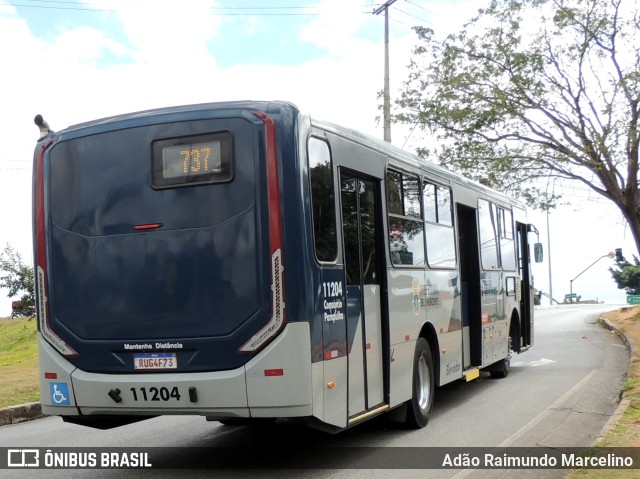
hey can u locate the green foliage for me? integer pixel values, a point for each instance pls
(18, 278)
(627, 275)
(532, 90)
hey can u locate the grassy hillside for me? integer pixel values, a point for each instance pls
(18, 362)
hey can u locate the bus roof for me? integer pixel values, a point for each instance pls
(194, 111)
(412, 160)
(181, 112)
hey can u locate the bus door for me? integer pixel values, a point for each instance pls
(362, 257)
(470, 291)
(526, 289)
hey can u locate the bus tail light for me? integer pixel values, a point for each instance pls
(277, 321)
(41, 263)
(150, 226)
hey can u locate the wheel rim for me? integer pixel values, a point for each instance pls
(424, 386)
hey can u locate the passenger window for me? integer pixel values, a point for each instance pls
(441, 246)
(441, 249)
(507, 251)
(487, 226)
(322, 199)
(406, 229)
(403, 194)
(394, 193)
(445, 216)
(429, 202)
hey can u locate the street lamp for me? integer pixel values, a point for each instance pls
(608, 255)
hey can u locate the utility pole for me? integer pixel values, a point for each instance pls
(387, 95)
(549, 260)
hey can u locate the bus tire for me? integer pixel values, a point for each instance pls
(421, 403)
(501, 368)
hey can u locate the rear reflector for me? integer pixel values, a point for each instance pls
(331, 354)
(274, 372)
(51, 375)
(151, 226)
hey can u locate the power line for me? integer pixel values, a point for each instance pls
(395, 20)
(235, 10)
(48, 7)
(221, 11)
(418, 6)
(410, 15)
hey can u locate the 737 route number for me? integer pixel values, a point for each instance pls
(155, 394)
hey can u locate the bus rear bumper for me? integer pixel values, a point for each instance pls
(275, 383)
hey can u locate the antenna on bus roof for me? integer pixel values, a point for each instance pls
(43, 125)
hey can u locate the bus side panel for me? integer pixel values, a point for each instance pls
(405, 322)
(317, 385)
(281, 378)
(492, 316)
(335, 391)
(495, 323)
(406, 317)
(374, 345)
(438, 296)
(401, 372)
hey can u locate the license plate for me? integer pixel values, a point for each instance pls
(155, 361)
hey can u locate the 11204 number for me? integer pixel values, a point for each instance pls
(155, 394)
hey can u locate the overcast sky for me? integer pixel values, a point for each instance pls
(73, 61)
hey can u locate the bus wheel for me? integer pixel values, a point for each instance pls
(421, 403)
(502, 368)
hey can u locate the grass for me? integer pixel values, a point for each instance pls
(18, 362)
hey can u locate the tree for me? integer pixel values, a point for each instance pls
(17, 278)
(627, 275)
(532, 90)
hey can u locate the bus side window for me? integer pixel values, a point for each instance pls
(487, 227)
(441, 246)
(507, 252)
(322, 199)
(406, 229)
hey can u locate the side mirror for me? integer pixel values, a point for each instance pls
(538, 252)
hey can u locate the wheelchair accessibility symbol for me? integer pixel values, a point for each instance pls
(59, 393)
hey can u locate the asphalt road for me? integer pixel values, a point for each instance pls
(558, 394)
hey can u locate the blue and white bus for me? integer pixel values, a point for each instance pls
(244, 260)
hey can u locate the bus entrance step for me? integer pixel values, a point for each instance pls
(471, 374)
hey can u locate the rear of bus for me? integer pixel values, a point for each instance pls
(158, 256)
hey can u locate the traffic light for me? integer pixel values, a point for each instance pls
(619, 257)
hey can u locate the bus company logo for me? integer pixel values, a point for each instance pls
(23, 458)
(415, 297)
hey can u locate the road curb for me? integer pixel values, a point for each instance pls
(624, 402)
(21, 413)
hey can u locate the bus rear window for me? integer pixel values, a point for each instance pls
(192, 160)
